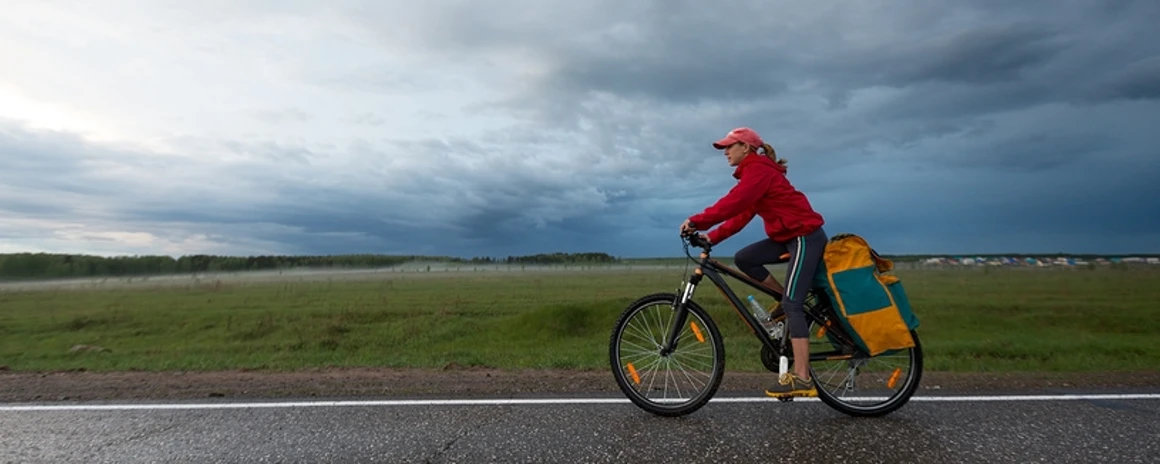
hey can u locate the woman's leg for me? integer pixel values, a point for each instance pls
(752, 260)
(805, 254)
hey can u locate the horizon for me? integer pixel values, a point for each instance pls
(499, 259)
(972, 128)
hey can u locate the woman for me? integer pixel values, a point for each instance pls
(791, 225)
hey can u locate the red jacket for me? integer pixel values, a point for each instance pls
(762, 190)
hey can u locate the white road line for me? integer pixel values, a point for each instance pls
(519, 401)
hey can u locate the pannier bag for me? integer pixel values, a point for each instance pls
(870, 304)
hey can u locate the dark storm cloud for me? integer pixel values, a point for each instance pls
(710, 79)
(1137, 81)
(447, 207)
(1038, 152)
(700, 53)
(990, 54)
(972, 126)
(1082, 209)
(1010, 56)
(55, 178)
(958, 100)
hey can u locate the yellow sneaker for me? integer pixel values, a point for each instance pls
(789, 384)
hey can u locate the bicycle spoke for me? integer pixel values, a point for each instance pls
(652, 372)
(637, 349)
(675, 383)
(647, 329)
(683, 371)
(669, 375)
(689, 377)
(648, 337)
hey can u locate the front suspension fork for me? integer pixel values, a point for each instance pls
(681, 313)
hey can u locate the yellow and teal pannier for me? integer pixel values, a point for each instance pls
(870, 304)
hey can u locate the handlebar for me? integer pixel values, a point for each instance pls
(695, 239)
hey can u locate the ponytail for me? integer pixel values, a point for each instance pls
(767, 149)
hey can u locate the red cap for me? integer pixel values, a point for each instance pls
(740, 134)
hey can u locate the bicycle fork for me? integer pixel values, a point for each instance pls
(680, 313)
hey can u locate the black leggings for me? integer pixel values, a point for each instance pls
(804, 254)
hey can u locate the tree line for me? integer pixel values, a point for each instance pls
(55, 265)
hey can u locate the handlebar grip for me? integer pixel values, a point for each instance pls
(699, 241)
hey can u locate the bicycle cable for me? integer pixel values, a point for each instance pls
(685, 273)
(685, 244)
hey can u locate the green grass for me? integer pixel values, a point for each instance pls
(999, 320)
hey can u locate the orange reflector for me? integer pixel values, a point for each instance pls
(894, 378)
(821, 331)
(697, 332)
(632, 372)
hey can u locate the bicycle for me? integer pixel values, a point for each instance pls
(644, 348)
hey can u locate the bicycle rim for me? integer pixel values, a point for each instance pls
(865, 386)
(669, 385)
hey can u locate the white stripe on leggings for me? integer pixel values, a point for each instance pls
(791, 282)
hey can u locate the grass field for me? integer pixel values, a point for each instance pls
(998, 320)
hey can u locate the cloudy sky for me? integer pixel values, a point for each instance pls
(518, 127)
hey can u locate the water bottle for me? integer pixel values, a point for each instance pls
(759, 312)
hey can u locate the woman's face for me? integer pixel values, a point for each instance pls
(734, 153)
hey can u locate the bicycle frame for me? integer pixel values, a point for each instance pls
(715, 271)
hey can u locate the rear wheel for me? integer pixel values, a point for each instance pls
(866, 386)
(862, 386)
(666, 385)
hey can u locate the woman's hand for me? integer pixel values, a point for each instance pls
(686, 227)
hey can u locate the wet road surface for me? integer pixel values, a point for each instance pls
(603, 429)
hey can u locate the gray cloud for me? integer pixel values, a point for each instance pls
(988, 54)
(1072, 210)
(1139, 80)
(450, 204)
(978, 126)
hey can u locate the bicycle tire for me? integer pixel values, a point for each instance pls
(893, 402)
(697, 315)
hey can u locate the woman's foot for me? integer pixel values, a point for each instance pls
(789, 384)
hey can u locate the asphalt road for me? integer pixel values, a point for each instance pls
(607, 429)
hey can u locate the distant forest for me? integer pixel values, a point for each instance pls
(15, 266)
(48, 265)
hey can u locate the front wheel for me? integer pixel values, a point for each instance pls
(666, 385)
